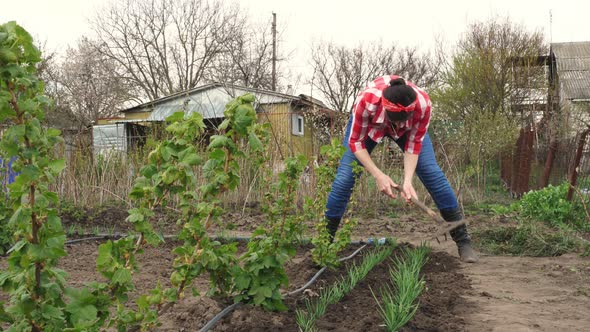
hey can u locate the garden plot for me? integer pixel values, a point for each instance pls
(139, 281)
(357, 311)
(502, 293)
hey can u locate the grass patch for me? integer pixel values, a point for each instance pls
(530, 238)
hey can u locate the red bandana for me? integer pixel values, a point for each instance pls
(391, 107)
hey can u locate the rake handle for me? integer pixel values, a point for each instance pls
(447, 226)
(424, 208)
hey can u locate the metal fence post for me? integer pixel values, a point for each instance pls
(574, 172)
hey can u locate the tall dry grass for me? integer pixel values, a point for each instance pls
(92, 180)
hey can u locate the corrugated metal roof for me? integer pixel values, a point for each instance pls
(209, 100)
(575, 84)
(573, 68)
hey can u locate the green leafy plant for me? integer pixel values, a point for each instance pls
(548, 205)
(315, 309)
(69, 210)
(169, 172)
(40, 299)
(547, 222)
(398, 305)
(32, 279)
(6, 239)
(201, 207)
(273, 244)
(315, 206)
(326, 249)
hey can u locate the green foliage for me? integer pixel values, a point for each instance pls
(546, 223)
(33, 282)
(481, 88)
(325, 251)
(316, 309)
(527, 239)
(200, 206)
(6, 240)
(169, 173)
(477, 120)
(70, 210)
(40, 299)
(398, 306)
(274, 243)
(549, 205)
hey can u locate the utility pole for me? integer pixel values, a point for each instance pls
(274, 52)
(550, 26)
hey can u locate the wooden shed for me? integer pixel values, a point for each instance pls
(292, 132)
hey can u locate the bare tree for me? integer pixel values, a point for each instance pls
(49, 71)
(340, 72)
(166, 46)
(246, 59)
(422, 69)
(84, 86)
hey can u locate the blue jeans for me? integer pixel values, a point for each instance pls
(427, 170)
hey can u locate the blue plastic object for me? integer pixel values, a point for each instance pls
(7, 174)
(379, 241)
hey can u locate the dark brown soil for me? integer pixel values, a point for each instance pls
(110, 218)
(445, 286)
(356, 312)
(498, 293)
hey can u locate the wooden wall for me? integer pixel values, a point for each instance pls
(280, 117)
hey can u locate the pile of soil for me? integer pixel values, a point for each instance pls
(110, 218)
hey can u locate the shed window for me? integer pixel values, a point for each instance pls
(298, 124)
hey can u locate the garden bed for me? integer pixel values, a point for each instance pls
(356, 312)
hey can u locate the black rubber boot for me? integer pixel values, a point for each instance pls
(332, 226)
(460, 235)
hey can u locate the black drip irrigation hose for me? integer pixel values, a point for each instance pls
(219, 316)
(94, 238)
(314, 278)
(232, 307)
(115, 236)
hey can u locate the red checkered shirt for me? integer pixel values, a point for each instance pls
(370, 120)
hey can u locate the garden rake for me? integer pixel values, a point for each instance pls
(444, 227)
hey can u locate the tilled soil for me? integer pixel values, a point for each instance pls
(496, 294)
(356, 312)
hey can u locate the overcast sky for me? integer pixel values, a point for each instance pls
(407, 23)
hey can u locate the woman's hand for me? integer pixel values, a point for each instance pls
(408, 192)
(385, 184)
